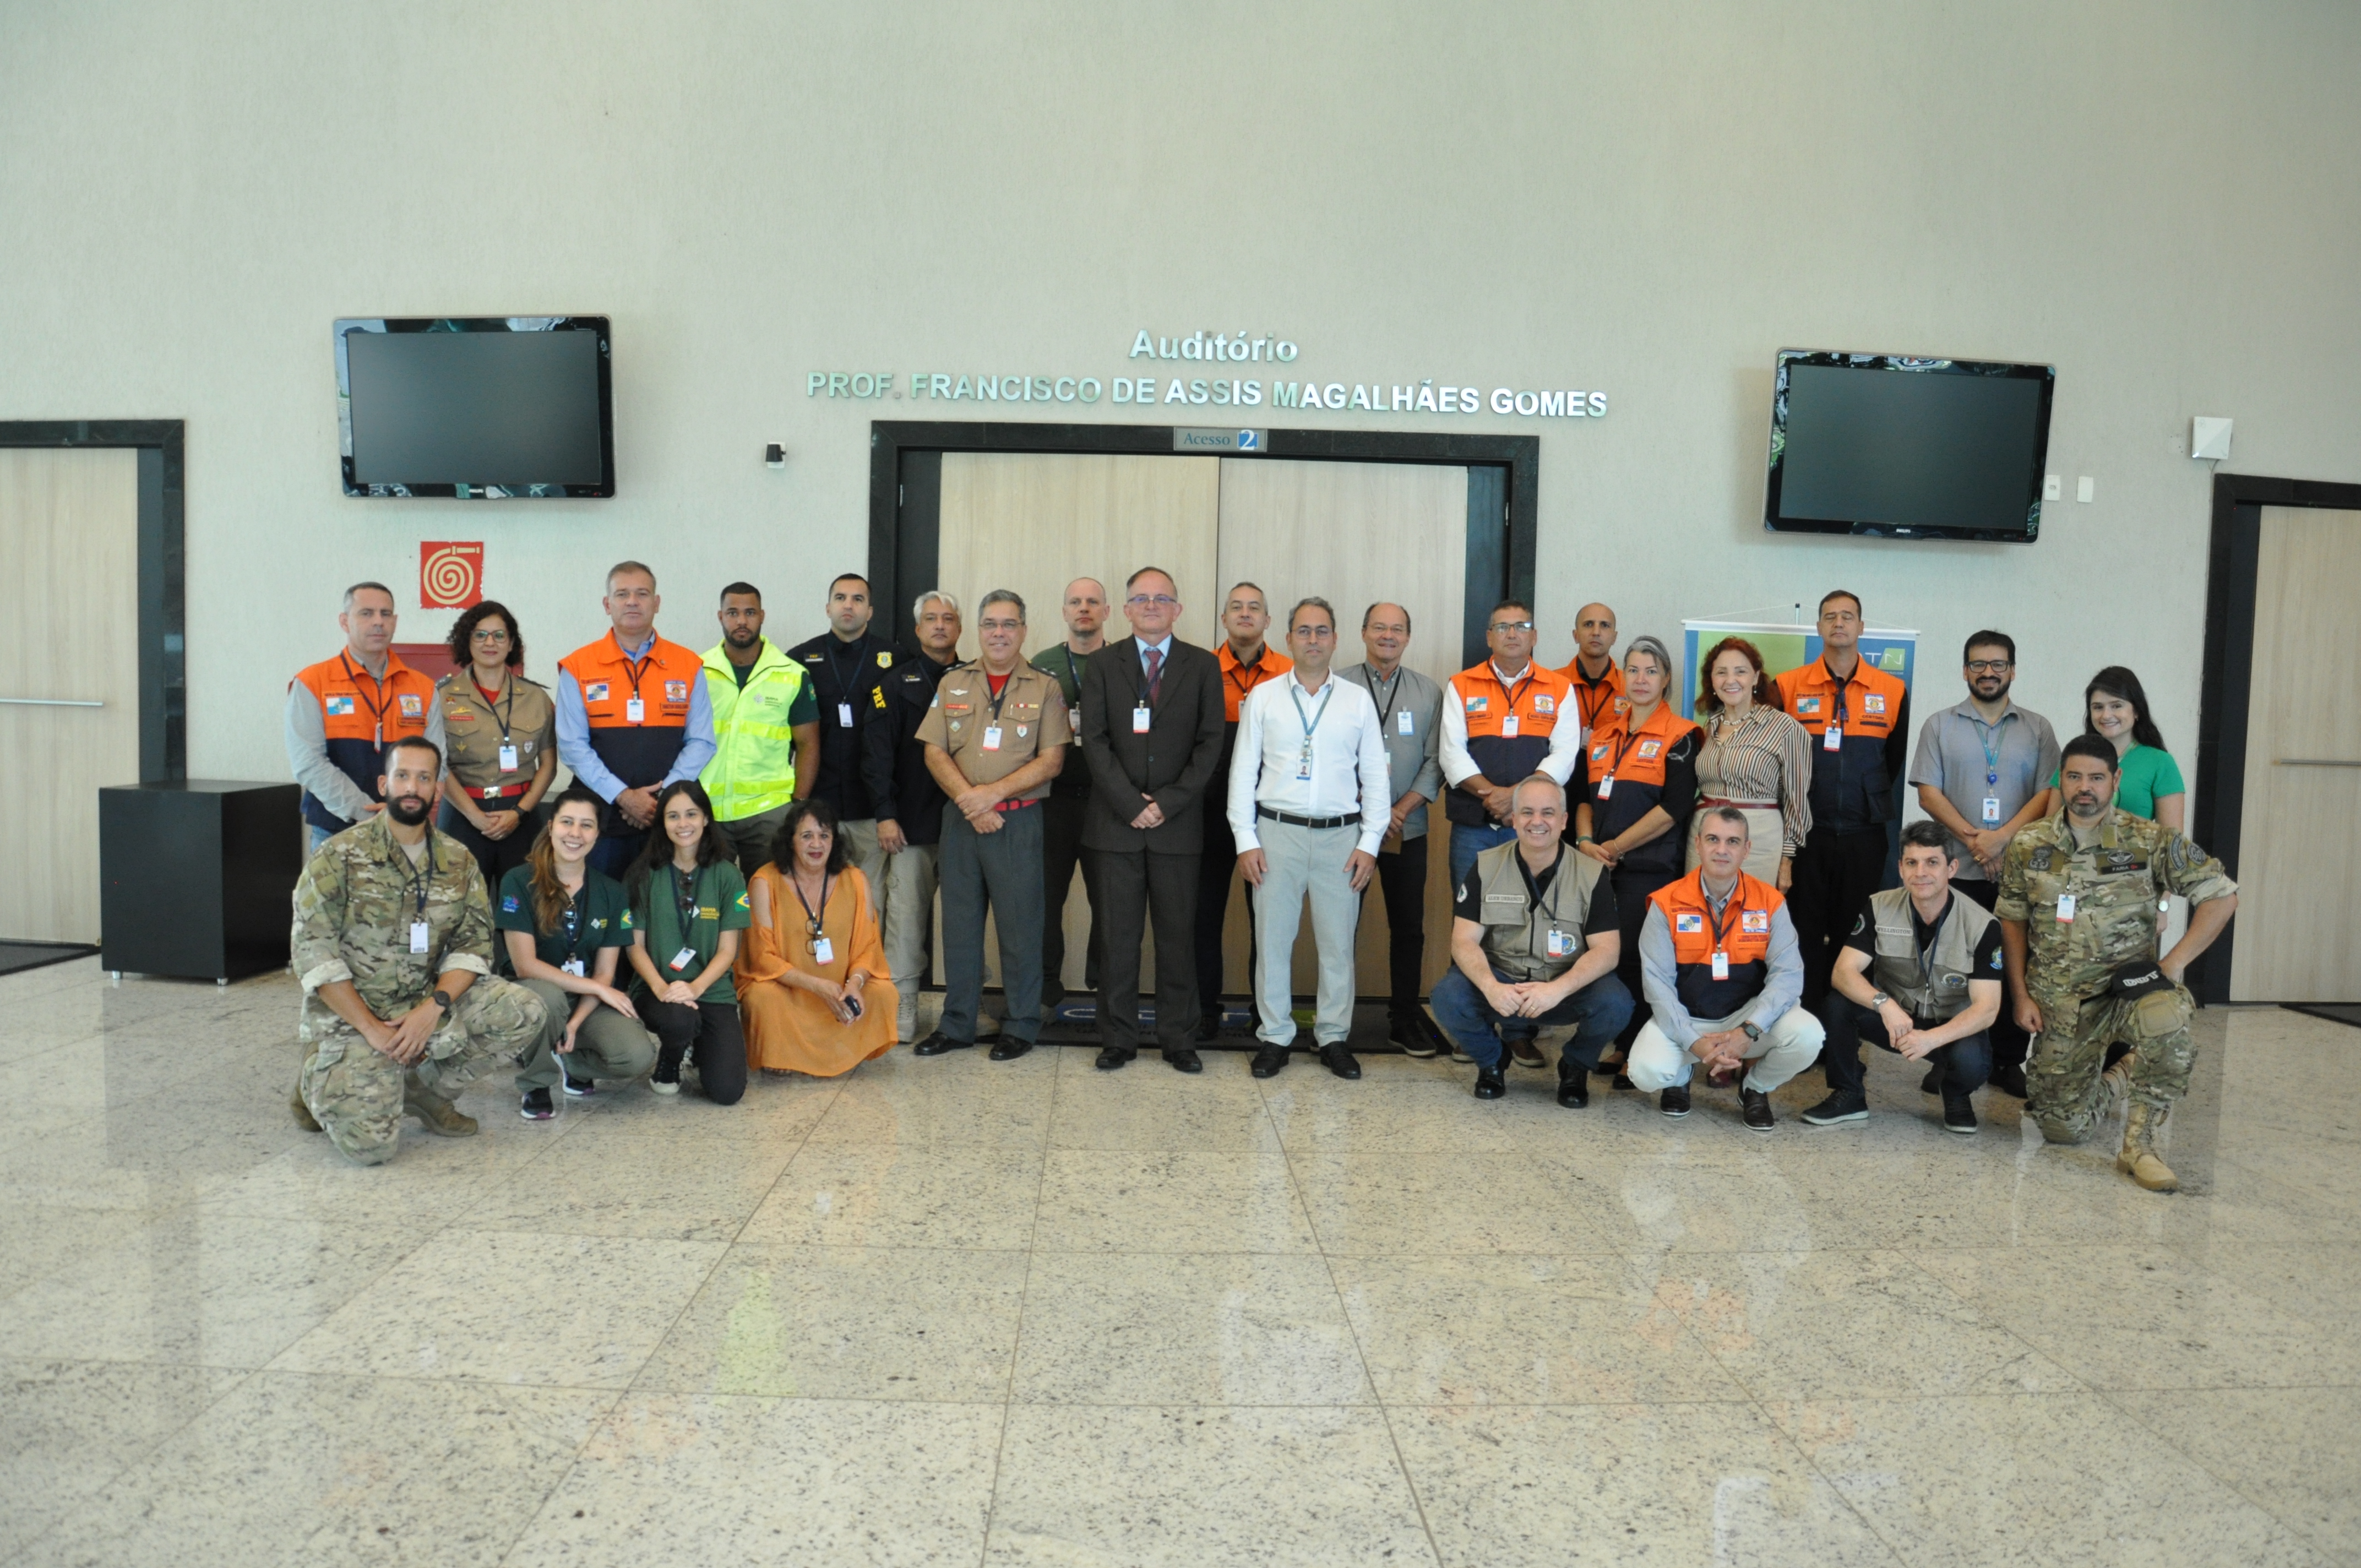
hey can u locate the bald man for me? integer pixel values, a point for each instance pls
(1597, 681)
(1085, 609)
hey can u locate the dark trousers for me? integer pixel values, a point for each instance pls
(710, 1030)
(1139, 886)
(618, 845)
(1215, 872)
(1632, 889)
(2010, 1044)
(1062, 848)
(497, 857)
(1001, 872)
(1401, 880)
(1965, 1062)
(1834, 875)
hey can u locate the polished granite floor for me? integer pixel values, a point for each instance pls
(959, 1312)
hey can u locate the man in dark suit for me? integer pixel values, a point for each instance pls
(1151, 727)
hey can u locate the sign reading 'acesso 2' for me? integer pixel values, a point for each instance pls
(1427, 396)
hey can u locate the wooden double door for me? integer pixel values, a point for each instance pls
(1353, 533)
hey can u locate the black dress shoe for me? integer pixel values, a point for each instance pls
(935, 1044)
(2008, 1080)
(1339, 1060)
(1184, 1060)
(1490, 1083)
(1208, 1026)
(1758, 1109)
(1573, 1086)
(1269, 1061)
(1674, 1102)
(1009, 1050)
(1113, 1057)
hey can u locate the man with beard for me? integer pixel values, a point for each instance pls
(2078, 893)
(765, 729)
(850, 668)
(1982, 771)
(393, 945)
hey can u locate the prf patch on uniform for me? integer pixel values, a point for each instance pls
(412, 704)
(675, 691)
(340, 708)
(595, 692)
(1544, 703)
(877, 694)
(1686, 923)
(1754, 922)
(1473, 704)
(884, 660)
(1648, 749)
(1874, 703)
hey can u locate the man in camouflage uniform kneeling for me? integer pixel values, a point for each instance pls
(393, 945)
(2079, 896)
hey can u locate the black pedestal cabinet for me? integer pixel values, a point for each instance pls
(197, 877)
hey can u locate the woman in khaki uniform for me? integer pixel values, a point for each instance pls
(813, 992)
(503, 734)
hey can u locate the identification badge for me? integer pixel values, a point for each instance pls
(1509, 727)
(1606, 786)
(1303, 764)
(682, 959)
(1402, 722)
(823, 950)
(844, 716)
(1991, 810)
(1721, 966)
(1559, 944)
(418, 935)
(634, 710)
(1832, 739)
(991, 737)
(2065, 909)
(573, 967)
(1140, 719)
(1585, 735)
(509, 758)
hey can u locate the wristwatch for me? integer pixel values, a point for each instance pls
(440, 1000)
(1751, 1032)
(1879, 999)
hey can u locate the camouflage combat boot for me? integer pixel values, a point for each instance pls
(2115, 1085)
(2138, 1159)
(441, 1117)
(295, 1102)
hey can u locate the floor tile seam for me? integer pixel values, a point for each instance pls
(1016, 1340)
(1988, 1315)
(597, 1425)
(2327, 1550)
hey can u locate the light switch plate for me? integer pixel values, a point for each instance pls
(2053, 489)
(2083, 488)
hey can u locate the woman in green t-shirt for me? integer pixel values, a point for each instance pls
(688, 904)
(2115, 708)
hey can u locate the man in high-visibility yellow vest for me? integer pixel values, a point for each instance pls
(765, 729)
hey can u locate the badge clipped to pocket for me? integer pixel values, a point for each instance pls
(418, 935)
(2065, 909)
(1832, 739)
(1559, 944)
(991, 737)
(1508, 727)
(1721, 966)
(509, 757)
(1140, 719)
(634, 710)
(1403, 722)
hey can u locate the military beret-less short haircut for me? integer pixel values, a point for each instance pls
(1988, 639)
(1727, 813)
(620, 567)
(1509, 604)
(2097, 747)
(1146, 571)
(414, 743)
(1315, 602)
(1001, 595)
(356, 587)
(1536, 778)
(747, 589)
(1375, 608)
(1927, 834)
(1834, 594)
(950, 601)
(846, 577)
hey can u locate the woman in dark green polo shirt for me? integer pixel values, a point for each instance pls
(564, 928)
(688, 904)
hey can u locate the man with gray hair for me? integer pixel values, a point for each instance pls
(1410, 719)
(996, 735)
(1724, 977)
(908, 802)
(1309, 803)
(342, 713)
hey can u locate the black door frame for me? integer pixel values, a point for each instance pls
(2231, 565)
(163, 621)
(905, 494)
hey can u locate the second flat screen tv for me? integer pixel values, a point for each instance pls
(1900, 447)
(475, 407)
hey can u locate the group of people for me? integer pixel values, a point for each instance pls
(747, 862)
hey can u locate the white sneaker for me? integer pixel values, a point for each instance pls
(659, 1084)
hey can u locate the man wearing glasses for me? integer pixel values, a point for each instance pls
(1982, 771)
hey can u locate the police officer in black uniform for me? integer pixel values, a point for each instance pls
(848, 669)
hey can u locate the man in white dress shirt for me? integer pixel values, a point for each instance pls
(1309, 802)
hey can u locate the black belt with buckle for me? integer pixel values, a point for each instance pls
(1295, 821)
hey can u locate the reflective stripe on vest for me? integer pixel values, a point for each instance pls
(1516, 930)
(1939, 991)
(753, 766)
(1745, 937)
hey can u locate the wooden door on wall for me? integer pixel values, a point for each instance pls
(2299, 935)
(1355, 534)
(69, 676)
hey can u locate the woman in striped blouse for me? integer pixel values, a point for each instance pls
(1755, 758)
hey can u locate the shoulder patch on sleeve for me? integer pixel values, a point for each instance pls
(1859, 921)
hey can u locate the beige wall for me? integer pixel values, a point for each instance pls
(2160, 199)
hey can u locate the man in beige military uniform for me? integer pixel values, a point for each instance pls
(995, 736)
(393, 945)
(2079, 891)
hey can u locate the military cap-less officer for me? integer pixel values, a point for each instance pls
(2080, 893)
(392, 943)
(995, 737)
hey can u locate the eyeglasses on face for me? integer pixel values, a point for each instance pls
(1161, 601)
(1988, 666)
(487, 634)
(1510, 626)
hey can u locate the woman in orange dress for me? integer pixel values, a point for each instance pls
(813, 989)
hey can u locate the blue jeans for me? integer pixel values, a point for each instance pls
(1466, 843)
(313, 836)
(1597, 1012)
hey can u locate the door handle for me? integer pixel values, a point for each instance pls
(48, 702)
(2313, 762)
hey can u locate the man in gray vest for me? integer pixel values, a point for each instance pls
(1920, 975)
(1534, 943)
(1410, 713)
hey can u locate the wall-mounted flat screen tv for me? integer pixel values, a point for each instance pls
(1900, 447)
(482, 407)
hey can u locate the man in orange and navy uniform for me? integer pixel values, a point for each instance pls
(632, 714)
(1597, 684)
(1858, 718)
(1246, 662)
(1717, 957)
(342, 713)
(1503, 722)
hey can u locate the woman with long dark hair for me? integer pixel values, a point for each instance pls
(566, 925)
(2115, 708)
(503, 734)
(688, 904)
(813, 991)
